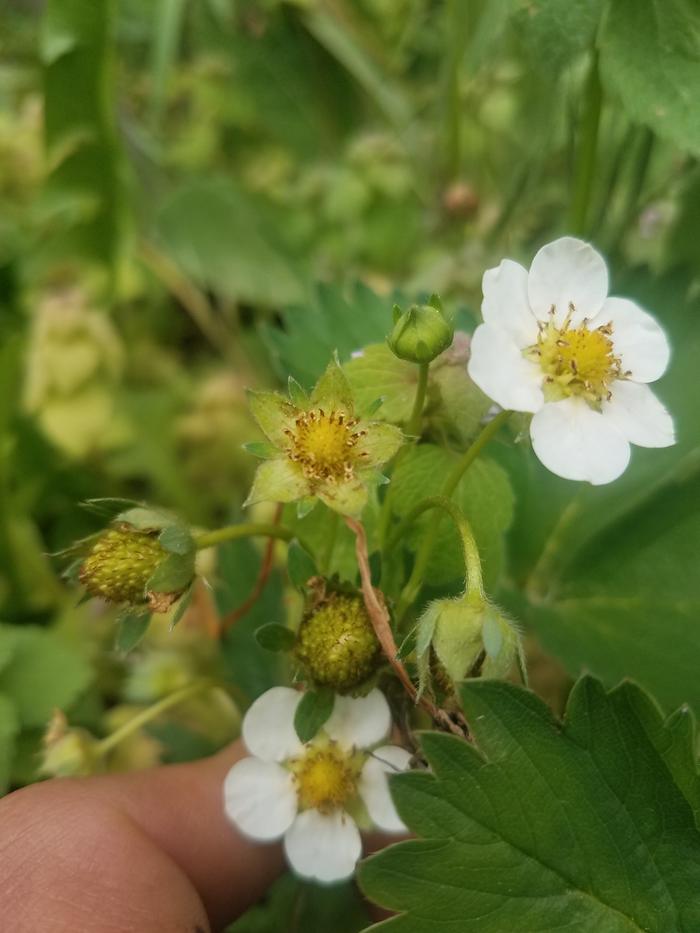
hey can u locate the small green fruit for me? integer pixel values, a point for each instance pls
(120, 565)
(336, 643)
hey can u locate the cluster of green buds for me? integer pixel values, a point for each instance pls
(145, 559)
(465, 637)
(422, 332)
(336, 644)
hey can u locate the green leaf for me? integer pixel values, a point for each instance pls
(315, 908)
(484, 495)
(543, 827)
(554, 31)
(313, 712)
(300, 565)
(376, 371)
(656, 71)
(132, 627)
(9, 727)
(275, 637)
(331, 320)
(630, 603)
(44, 673)
(274, 414)
(77, 53)
(225, 240)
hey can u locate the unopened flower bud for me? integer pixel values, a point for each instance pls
(68, 751)
(336, 643)
(469, 636)
(421, 333)
(120, 565)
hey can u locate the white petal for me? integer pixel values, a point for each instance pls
(637, 338)
(323, 847)
(359, 722)
(567, 271)
(500, 370)
(638, 415)
(260, 798)
(374, 786)
(268, 726)
(576, 442)
(506, 305)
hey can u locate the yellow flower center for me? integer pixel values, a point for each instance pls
(576, 360)
(326, 777)
(324, 444)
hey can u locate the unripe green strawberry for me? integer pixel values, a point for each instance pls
(336, 643)
(121, 563)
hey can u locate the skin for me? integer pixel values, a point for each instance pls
(147, 851)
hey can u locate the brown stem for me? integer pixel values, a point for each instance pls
(379, 615)
(263, 574)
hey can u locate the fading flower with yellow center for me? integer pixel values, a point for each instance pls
(554, 344)
(319, 448)
(313, 795)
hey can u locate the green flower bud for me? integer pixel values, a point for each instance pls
(421, 333)
(68, 751)
(120, 564)
(469, 636)
(336, 643)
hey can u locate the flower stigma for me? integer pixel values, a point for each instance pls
(323, 444)
(326, 777)
(576, 360)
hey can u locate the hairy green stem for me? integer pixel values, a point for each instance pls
(412, 587)
(147, 715)
(244, 530)
(473, 578)
(330, 543)
(586, 149)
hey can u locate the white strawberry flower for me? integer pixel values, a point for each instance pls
(313, 795)
(553, 343)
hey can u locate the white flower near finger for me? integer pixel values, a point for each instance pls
(554, 344)
(313, 795)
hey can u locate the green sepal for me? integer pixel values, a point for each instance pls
(300, 565)
(108, 507)
(297, 393)
(273, 413)
(313, 712)
(374, 406)
(275, 637)
(183, 604)
(173, 574)
(262, 450)
(305, 506)
(176, 538)
(132, 626)
(145, 518)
